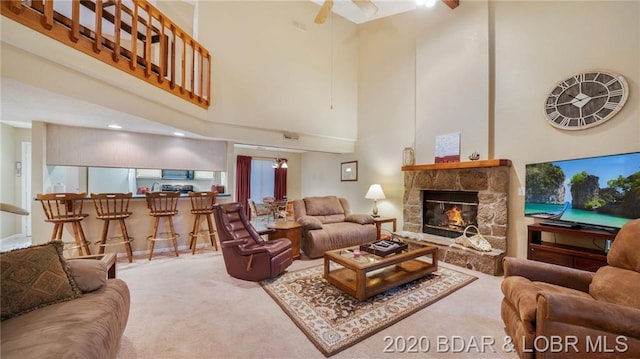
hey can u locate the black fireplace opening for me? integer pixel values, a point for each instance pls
(448, 213)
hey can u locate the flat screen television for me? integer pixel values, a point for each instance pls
(596, 193)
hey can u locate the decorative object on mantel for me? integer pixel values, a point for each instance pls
(375, 193)
(474, 156)
(448, 148)
(408, 156)
(349, 171)
(476, 241)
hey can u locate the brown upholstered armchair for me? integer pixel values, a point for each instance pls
(587, 314)
(246, 255)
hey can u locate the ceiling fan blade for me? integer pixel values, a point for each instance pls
(367, 7)
(452, 3)
(324, 12)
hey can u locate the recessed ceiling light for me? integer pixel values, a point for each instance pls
(178, 133)
(115, 127)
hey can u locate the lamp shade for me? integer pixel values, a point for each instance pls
(375, 192)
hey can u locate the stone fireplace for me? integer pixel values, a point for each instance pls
(484, 186)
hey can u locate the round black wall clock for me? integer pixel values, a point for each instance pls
(586, 99)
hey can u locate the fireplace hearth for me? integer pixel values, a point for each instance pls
(448, 213)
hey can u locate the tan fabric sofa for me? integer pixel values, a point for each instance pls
(327, 224)
(586, 314)
(89, 326)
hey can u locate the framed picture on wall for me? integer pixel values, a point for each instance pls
(349, 171)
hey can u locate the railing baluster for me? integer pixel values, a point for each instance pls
(208, 78)
(116, 30)
(74, 35)
(97, 41)
(147, 44)
(193, 68)
(183, 89)
(163, 53)
(47, 19)
(200, 79)
(133, 64)
(172, 83)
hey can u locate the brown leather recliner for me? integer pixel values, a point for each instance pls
(554, 311)
(246, 255)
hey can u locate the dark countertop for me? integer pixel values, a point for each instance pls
(139, 196)
(182, 195)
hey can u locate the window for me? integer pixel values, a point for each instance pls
(262, 178)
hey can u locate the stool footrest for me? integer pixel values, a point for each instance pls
(203, 232)
(72, 245)
(111, 239)
(164, 236)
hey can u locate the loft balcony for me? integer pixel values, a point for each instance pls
(131, 35)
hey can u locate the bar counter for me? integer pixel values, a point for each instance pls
(139, 226)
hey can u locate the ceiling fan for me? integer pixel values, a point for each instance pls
(366, 6)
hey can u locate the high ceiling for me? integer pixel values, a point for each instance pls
(348, 10)
(19, 110)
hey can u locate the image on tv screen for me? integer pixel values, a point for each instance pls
(600, 191)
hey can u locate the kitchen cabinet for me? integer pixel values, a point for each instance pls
(148, 173)
(203, 175)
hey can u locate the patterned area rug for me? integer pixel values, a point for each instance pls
(334, 320)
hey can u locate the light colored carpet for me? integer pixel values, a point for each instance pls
(189, 307)
(334, 320)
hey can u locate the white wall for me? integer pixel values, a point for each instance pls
(321, 177)
(484, 70)
(555, 40)
(271, 73)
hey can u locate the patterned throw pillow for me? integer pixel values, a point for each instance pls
(34, 277)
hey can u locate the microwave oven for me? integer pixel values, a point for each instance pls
(177, 174)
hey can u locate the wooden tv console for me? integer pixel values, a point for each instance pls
(567, 255)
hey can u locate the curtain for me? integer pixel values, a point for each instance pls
(243, 182)
(280, 182)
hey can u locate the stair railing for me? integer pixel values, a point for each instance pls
(131, 35)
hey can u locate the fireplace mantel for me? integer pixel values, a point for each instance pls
(458, 165)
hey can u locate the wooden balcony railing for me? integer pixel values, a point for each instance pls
(131, 35)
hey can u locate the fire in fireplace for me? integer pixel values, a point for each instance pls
(447, 213)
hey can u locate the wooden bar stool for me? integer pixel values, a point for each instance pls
(163, 205)
(61, 208)
(113, 207)
(202, 206)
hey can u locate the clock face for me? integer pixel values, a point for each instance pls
(586, 99)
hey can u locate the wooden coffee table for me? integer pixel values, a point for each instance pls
(369, 274)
